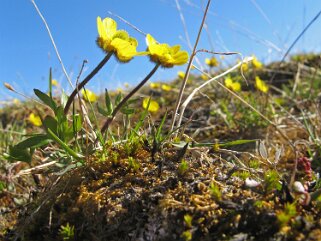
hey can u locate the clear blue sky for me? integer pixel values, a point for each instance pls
(262, 27)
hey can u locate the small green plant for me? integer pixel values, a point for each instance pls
(183, 167)
(3, 185)
(272, 180)
(67, 232)
(287, 214)
(188, 220)
(255, 164)
(133, 164)
(187, 235)
(242, 174)
(114, 156)
(215, 191)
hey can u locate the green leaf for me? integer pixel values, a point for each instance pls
(19, 154)
(159, 129)
(109, 104)
(64, 98)
(102, 111)
(118, 98)
(76, 123)
(235, 143)
(46, 99)
(50, 83)
(128, 111)
(33, 142)
(51, 123)
(65, 146)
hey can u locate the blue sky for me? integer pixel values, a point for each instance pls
(261, 27)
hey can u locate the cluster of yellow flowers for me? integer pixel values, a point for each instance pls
(164, 87)
(124, 46)
(212, 62)
(233, 85)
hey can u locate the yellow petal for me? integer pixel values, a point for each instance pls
(164, 54)
(110, 27)
(154, 85)
(228, 82)
(101, 29)
(236, 86)
(89, 95)
(125, 51)
(256, 63)
(35, 119)
(54, 82)
(181, 74)
(166, 87)
(261, 85)
(150, 40)
(153, 105)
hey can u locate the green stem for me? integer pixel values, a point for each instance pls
(127, 97)
(70, 151)
(85, 81)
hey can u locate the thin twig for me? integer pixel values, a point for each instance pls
(188, 40)
(296, 40)
(190, 97)
(127, 22)
(180, 96)
(53, 42)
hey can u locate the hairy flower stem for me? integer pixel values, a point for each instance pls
(85, 81)
(127, 97)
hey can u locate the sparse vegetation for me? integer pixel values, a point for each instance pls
(242, 164)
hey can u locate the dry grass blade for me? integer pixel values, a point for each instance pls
(180, 96)
(53, 42)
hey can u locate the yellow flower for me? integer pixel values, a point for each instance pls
(244, 66)
(118, 41)
(181, 74)
(35, 119)
(256, 63)
(204, 77)
(16, 101)
(154, 85)
(164, 54)
(153, 105)
(166, 87)
(89, 95)
(54, 82)
(235, 86)
(212, 62)
(261, 85)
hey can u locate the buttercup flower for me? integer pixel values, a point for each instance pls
(256, 63)
(16, 101)
(229, 83)
(89, 95)
(261, 85)
(154, 85)
(54, 82)
(166, 87)
(181, 74)
(212, 62)
(164, 54)
(204, 77)
(153, 105)
(34, 119)
(244, 66)
(118, 41)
